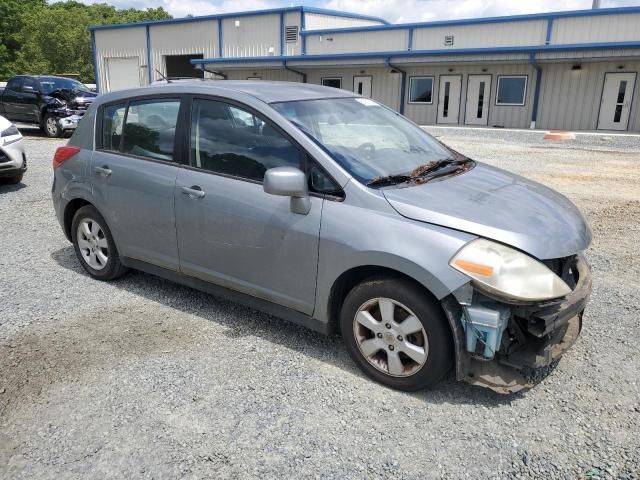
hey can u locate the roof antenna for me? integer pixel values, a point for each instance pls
(162, 75)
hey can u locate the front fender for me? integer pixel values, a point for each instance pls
(352, 237)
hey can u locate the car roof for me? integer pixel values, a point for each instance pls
(267, 91)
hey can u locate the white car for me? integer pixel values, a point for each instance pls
(13, 160)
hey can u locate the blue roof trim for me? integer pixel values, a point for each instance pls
(404, 53)
(477, 21)
(247, 13)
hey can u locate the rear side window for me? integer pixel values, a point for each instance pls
(230, 140)
(150, 129)
(15, 84)
(144, 128)
(112, 121)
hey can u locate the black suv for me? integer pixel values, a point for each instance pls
(54, 103)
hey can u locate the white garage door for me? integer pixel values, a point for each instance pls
(123, 73)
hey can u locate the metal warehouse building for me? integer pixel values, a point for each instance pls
(567, 70)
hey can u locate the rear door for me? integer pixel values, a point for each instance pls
(232, 233)
(134, 172)
(11, 99)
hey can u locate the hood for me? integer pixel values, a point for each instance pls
(74, 97)
(495, 204)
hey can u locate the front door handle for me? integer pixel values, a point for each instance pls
(105, 171)
(194, 192)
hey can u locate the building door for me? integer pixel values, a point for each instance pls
(449, 98)
(362, 85)
(615, 104)
(477, 106)
(123, 73)
(180, 66)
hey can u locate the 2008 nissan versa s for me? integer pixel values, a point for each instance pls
(332, 211)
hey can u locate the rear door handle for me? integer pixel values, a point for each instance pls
(194, 192)
(105, 171)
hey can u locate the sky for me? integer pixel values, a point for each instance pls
(395, 11)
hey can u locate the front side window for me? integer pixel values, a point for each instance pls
(29, 82)
(112, 121)
(150, 128)
(332, 82)
(230, 140)
(421, 90)
(365, 138)
(512, 90)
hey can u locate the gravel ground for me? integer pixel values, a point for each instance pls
(142, 378)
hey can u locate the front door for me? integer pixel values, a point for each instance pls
(477, 105)
(134, 173)
(362, 85)
(615, 105)
(449, 98)
(232, 233)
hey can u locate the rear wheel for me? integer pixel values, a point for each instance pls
(396, 333)
(94, 245)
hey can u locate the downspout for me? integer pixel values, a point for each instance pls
(403, 82)
(302, 74)
(95, 60)
(149, 58)
(536, 93)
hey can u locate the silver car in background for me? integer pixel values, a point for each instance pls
(13, 160)
(334, 212)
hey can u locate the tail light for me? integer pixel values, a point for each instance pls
(63, 154)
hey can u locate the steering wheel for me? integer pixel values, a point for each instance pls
(368, 148)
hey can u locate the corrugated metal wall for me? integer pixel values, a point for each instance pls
(504, 116)
(570, 99)
(319, 21)
(253, 37)
(385, 86)
(376, 41)
(180, 39)
(121, 43)
(601, 28)
(503, 34)
(279, 75)
(293, 19)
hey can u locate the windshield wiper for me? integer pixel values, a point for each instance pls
(424, 173)
(388, 180)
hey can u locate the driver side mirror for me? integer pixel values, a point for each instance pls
(289, 182)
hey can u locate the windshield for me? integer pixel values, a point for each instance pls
(48, 85)
(366, 139)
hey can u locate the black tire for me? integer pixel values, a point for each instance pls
(113, 267)
(439, 357)
(51, 127)
(12, 180)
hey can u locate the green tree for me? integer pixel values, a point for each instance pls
(55, 39)
(10, 25)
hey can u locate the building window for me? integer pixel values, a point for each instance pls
(291, 34)
(421, 90)
(335, 82)
(512, 90)
(180, 66)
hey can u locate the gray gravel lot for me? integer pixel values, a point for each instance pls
(142, 378)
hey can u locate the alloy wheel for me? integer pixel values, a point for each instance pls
(93, 244)
(390, 337)
(52, 126)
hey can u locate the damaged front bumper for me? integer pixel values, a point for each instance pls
(67, 119)
(529, 337)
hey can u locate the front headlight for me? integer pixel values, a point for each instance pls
(508, 272)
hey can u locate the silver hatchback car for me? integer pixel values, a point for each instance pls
(334, 212)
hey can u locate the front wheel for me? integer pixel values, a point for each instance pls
(51, 127)
(94, 245)
(396, 333)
